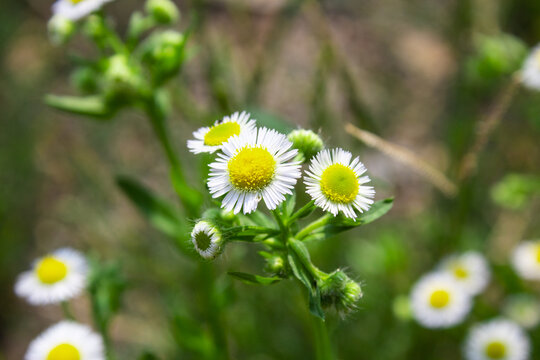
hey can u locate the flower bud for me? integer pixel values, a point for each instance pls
(307, 142)
(121, 78)
(340, 291)
(95, 28)
(162, 11)
(85, 80)
(524, 309)
(163, 53)
(275, 265)
(207, 240)
(60, 29)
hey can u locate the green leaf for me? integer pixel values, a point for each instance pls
(289, 204)
(159, 213)
(93, 106)
(341, 223)
(148, 355)
(297, 256)
(254, 279)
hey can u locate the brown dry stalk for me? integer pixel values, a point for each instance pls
(405, 156)
(485, 127)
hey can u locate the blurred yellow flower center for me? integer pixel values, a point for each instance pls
(64, 352)
(496, 350)
(252, 169)
(50, 270)
(75, 1)
(538, 254)
(460, 272)
(218, 134)
(439, 299)
(339, 184)
(203, 240)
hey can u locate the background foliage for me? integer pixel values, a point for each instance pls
(418, 73)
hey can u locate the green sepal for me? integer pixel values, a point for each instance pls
(93, 106)
(253, 279)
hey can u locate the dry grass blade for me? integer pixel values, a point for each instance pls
(405, 156)
(486, 126)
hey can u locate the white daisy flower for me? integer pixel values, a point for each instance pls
(438, 301)
(251, 167)
(336, 183)
(77, 9)
(526, 260)
(56, 277)
(207, 240)
(210, 139)
(497, 340)
(66, 340)
(469, 269)
(530, 73)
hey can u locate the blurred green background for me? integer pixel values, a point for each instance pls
(419, 74)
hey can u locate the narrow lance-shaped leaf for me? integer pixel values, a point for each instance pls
(254, 279)
(92, 106)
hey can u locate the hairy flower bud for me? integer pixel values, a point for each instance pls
(207, 240)
(341, 292)
(163, 53)
(307, 142)
(60, 29)
(163, 11)
(275, 265)
(121, 78)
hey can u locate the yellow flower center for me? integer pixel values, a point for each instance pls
(64, 352)
(339, 184)
(50, 270)
(439, 299)
(203, 240)
(496, 350)
(218, 134)
(460, 272)
(252, 169)
(538, 254)
(75, 1)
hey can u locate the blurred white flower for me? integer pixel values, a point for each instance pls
(66, 340)
(530, 73)
(254, 166)
(526, 260)
(469, 269)
(211, 139)
(56, 277)
(524, 309)
(497, 340)
(438, 301)
(77, 9)
(334, 180)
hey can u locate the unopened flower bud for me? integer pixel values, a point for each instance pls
(85, 80)
(524, 309)
(60, 29)
(163, 11)
(164, 53)
(341, 292)
(307, 142)
(121, 78)
(207, 240)
(95, 28)
(275, 265)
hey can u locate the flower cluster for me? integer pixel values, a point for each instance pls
(254, 164)
(444, 298)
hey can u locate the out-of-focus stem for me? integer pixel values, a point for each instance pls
(323, 346)
(66, 309)
(405, 156)
(485, 127)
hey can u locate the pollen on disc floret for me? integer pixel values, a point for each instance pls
(335, 182)
(251, 167)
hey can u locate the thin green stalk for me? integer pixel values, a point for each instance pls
(323, 345)
(304, 210)
(66, 309)
(284, 229)
(313, 226)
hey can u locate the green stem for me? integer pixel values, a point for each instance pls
(313, 226)
(304, 210)
(66, 309)
(157, 114)
(284, 229)
(323, 345)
